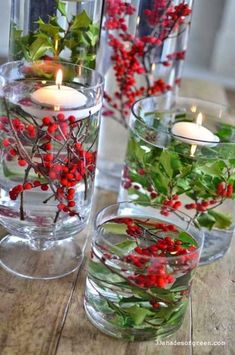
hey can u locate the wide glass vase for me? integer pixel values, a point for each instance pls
(48, 145)
(140, 272)
(143, 46)
(182, 155)
(65, 29)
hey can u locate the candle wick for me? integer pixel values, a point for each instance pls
(59, 86)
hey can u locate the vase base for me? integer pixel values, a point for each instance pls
(128, 334)
(37, 260)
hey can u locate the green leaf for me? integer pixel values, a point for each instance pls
(186, 238)
(123, 248)
(179, 313)
(138, 314)
(48, 28)
(99, 271)
(206, 220)
(38, 48)
(213, 169)
(114, 228)
(223, 221)
(82, 20)
(182, 281)
(170, 163)
(61, 6)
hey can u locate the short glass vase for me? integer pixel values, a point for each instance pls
(48, 144)
(141, 271)
(181, 154)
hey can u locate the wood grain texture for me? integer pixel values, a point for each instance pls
(32, 313)
(213, 306)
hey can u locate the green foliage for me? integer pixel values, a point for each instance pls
(80, 36)
(172, 171)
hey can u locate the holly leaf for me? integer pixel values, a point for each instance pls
(38, 48)
(61, 6)
(206, 220)
(123, 248)
(170, 163)
(82, 20)
(214, 169)
(186, 238)
(222, 221)
(48, 28)
(182, 281)
(138, 314)
(99, 271)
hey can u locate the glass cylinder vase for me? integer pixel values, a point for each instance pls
(48, 145)
(183, 157)
(147, 42)
(64, 29)
(140, 271)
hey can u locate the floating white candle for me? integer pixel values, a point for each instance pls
(59, 95)
(194, 133)
(60, 98)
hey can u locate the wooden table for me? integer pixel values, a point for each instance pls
(47, 317)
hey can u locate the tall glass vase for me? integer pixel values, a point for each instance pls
(147, 41)
(48, 149)
(64, 29)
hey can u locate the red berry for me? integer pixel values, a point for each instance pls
(177, 205)
(27, 186)
(60, 117)
(71, 204)
(22, 162)
(36, 183)
(6, 142)
(72, 119)
(61, 206)
(52, 175)
(153, 195)
(44, 187)
(46, 121)
(141, 171)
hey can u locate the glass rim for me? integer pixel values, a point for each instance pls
(172, 257)
(100, 77)
(169, 133)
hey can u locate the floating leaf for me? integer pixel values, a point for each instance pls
(138, 314)
(186, 238)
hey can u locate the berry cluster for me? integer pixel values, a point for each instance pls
(169, 204)
(133, 56)
(224, 190)
(51, 149)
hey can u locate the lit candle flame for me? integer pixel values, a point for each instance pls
(137, 21)
(199, 123)
(59, 78)
(153, 67)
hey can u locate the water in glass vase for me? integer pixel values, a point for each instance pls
(140, 276)
(197, 178)
(48, 155)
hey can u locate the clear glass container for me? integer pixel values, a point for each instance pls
(182, 154)
(140, 272)
(64, 29)
(143, 46)
(48, 146)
